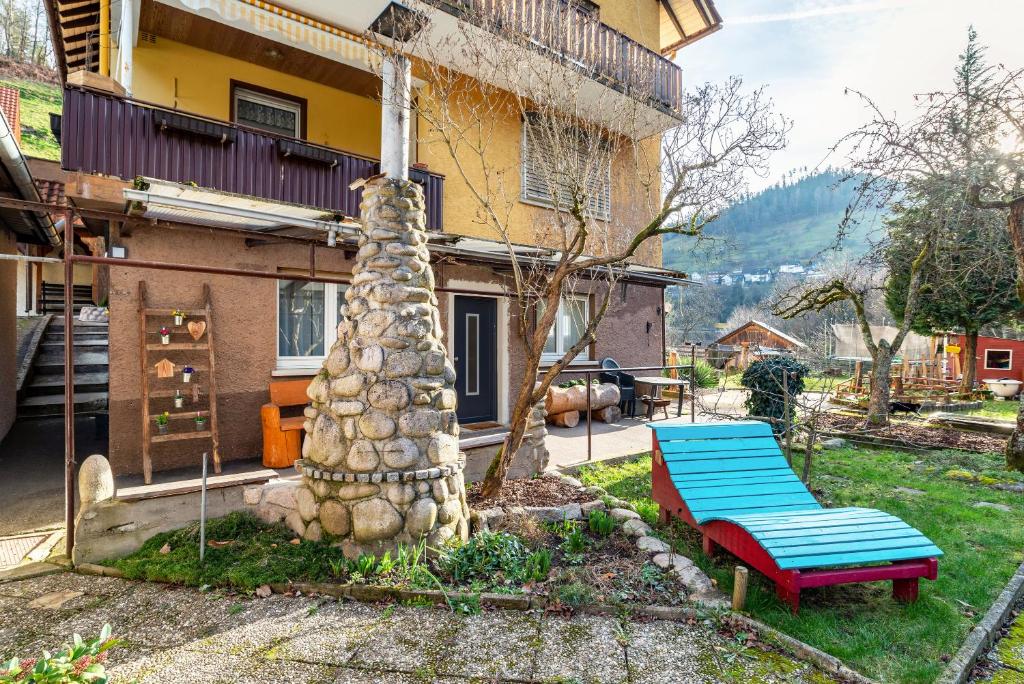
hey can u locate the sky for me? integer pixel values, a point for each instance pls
(808, 51)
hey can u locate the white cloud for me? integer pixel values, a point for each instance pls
(820, 11)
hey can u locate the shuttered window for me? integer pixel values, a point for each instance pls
(543, 173)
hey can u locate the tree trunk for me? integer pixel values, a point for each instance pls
(970, 371)
(1015, 224)
(878, 402)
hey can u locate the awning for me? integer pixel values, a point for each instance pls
(284, 26)
(168, 201)
(177, 202)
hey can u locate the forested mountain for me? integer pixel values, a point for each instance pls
(792, 221)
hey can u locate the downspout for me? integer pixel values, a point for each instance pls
(126, 45)
(15, 164)
(105, 37)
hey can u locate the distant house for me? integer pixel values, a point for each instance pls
(750, 342)
(792, 269)
(762, 275)
(1000, 354)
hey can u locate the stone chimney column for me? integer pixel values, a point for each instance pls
(381, 462)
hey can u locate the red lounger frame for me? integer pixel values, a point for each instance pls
(788, 583)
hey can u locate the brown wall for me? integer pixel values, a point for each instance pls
(245, 334)
(8, 333)
(245, 337)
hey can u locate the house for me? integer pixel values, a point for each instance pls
(751, 341)
(190, 129)
(792, 269)
(761, 275)
(1000, 354)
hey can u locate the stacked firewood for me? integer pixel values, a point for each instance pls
(565, 405)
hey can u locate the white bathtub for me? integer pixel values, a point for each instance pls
(1005, 388)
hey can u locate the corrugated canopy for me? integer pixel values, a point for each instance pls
(684, 21)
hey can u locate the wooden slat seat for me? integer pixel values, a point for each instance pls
(293, 423)
(282, 436)
(731, 481)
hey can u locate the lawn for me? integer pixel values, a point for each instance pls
(37, 101)
(860, 624)
(1004, 410)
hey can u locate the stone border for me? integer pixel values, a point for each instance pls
(985, 633)
(378, 477)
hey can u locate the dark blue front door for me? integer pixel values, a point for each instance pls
(475, 353)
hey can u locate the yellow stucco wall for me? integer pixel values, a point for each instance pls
(638, 19)
(180, 76)
(194, 80)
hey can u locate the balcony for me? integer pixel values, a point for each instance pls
(109, 135)
(574, 35)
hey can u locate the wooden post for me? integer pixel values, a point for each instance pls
(693, 383)
(858, 368)
(739, 588)
(787, 420)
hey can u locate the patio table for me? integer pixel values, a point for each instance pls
(657, 382)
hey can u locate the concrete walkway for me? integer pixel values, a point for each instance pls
(568, 446)
(172, 635)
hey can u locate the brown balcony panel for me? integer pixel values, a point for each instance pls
(113, 136)
(573, 34)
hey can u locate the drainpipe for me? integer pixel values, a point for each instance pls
(15, 164)
(126, 45)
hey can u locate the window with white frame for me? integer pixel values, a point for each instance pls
(267, 113)
(546, 171)
(998, 359)
(307, 322)
(570, 324)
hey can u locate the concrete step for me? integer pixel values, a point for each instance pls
(85, 362)
(53, 383)
(53, 404)
(57, 325)
(100, 344)
(58, 338)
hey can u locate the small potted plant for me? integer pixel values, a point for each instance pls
(165, 335)
(200, 422)
(179, 399)
(161, 422)
(186, 373)
(179, 316)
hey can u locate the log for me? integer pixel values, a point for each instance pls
(562, 399)
(608, 414)
(565, 419)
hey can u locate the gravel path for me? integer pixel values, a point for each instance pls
(174, 635)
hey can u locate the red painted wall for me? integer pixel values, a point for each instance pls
(1016, 370)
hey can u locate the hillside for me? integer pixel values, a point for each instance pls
(38, 99)
(791, 222)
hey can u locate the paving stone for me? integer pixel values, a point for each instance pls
(184, 666)
(496, 644)
(409, 639)
(667, 653)
(910, 490)
(333, 634)
(989, 504)
(582, 648)
(244, 627)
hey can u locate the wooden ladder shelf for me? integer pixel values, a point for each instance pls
(183, 351)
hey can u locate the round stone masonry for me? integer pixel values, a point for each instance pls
(380, 459)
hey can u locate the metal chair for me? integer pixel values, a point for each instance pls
(625, 382)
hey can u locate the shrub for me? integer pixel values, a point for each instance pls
(80, 663)
(601, 523)
(575, 594)
(484, 556)
(764, 380)
(704, 374)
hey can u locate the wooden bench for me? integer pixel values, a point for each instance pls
(282, 437)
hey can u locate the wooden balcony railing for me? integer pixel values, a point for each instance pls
(102, 133)
(574, 34)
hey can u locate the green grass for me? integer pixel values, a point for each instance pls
(1003, 410)
(860, 623)
(37, 101)
(259, 554)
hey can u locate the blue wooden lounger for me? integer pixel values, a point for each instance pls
(731, 482)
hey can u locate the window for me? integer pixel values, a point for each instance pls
(998, 359)
(272, 113)
(542, 171)
(570, 323)
(306, 325)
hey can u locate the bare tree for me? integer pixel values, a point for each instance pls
(856, 286)
(609, 183)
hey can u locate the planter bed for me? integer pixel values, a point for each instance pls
(902, 433)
